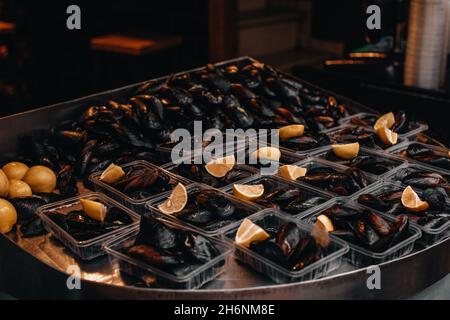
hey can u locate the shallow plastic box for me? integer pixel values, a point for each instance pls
(362, 257)
(429, 235)
(416, 129)
(313, 162)
(271, 220)
(160, 278)
(137, 205)
(88, 249)
(217, 230)
(400, 148)
(283, 183)
(392, 161)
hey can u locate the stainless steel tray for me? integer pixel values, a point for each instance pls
(36, 268)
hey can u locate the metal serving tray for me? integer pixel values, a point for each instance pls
(39, 267)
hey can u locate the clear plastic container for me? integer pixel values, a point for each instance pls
(305, 191)
(362, 257)
(390, 162)
(411, 167)
(88, 249)
(312, 163)
(371, 118)
(334, 137)
(219, 226)
(156, 277)
(429, 235)
(135, 204)
(401, 150)
(271, 220)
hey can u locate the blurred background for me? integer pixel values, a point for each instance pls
(325, 42)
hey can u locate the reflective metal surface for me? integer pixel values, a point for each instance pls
(36, 268)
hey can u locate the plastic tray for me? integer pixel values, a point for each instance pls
(304, 188)
(152, 207)
(313, 162)
(88, 249)
(271, 220)
(396, 150)
(159, 278)
(332, 132)
(413, 167)
(418, 127)
(362, 257)
(137, 205)
(393, 161)
(429, 235)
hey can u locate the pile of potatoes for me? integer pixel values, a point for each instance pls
(17, 180)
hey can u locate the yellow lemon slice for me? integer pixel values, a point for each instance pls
(94, 209)
(19, 189)
(220, 167)
(346, 151)
(268, 153)
(15, 170)
(8, 216)
(4, 184)
(248, 192)
(176, 201)
(387, 136)
(326, 222)
(249, 232)
(411, 200)
(385, 121)
(112, 174)
(292, 172)
(291, 131)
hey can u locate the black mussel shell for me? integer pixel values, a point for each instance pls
(380, 225)
(32, 228)
(306, 252)
(27, 207)
(436, 198)
(374, 202)
(198, 247)
(196, 216)
(288, 237)
(151, 255)
(157, 234)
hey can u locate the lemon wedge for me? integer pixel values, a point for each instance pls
(112, 174)
(267, 153)
(220, 167)
(292, 172)
(346, 151)
(94, 209)
(387, 136)
(249, 232)
(411, 200)
(326, 222)
(385, 121)
(176, 201)
(291, 131)
(248, 192)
